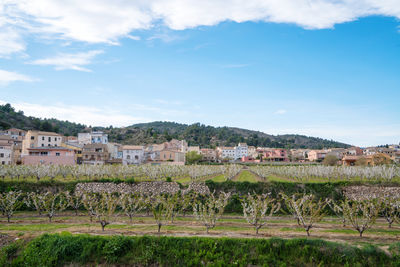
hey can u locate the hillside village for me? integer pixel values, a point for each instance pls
(39, 147)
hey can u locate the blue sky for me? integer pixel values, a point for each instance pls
(320, 68)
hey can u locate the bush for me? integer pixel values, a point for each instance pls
(67, 249)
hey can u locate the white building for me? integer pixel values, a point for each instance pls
(6, 151)
(92, 138)
(227, 153)
(132, 155)
(241, 150)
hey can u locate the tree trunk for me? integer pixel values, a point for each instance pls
(76, 212)
(130, 218)
(103, 224)
(207, 229)
(8, 218)
(257, 230)
(361, 232)
(159, 227)
(50, 218)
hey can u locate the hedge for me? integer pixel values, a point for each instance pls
(67, 249)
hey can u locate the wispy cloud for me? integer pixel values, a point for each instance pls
(7, 77)
(134, 37)
(69, 61)
(281, 111)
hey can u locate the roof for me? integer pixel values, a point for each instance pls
(132, 147)
(49, 148)
(45, 133)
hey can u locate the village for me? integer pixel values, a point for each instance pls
(38, 147)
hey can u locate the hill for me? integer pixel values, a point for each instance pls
(209, 136)
(10, 118)
(158, 132)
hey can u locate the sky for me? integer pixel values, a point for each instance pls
(324, 68)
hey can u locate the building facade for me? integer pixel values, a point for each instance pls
(35, 139)
(95, 154)
(133, 155)
(49, 156)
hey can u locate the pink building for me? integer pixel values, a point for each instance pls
(273, 154)
(49, 156)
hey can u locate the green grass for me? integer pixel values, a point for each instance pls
(37, 227)
(246, 176)
(219, 178)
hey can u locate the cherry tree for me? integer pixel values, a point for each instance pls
(211, 209)
(75, 201)
(35, 200)
(337, 209)
(89, 201)
(9, 202)
(131, 204)
(308, 210)
(361, 214)
(390, 209)
(104, 208)
(162, 208)
(258, 209)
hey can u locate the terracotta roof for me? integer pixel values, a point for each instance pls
(47, 133)
(132, 147)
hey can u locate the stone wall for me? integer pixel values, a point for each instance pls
(370, 192)
(142, 187)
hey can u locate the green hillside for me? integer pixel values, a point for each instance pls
(157, 132)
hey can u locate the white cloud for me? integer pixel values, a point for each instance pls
(281, 111)
(69, 61)
(94, 116)
(104, 21)
(134, 37)
(7, 77)
(10, 42)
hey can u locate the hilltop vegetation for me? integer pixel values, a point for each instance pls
(10, 118)
(209, 136)
(158, 132)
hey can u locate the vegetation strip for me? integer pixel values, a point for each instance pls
(64, 249)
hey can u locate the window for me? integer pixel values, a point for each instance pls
(136, 157)
(42, 138)
(49, 139)
(55, 138)
(128, 157)
(32, 138)
(42, 144)
(57, 154)
(1, 155)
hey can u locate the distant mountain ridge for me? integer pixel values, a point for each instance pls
(157, 132)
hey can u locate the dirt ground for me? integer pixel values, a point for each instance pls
(30, 224)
